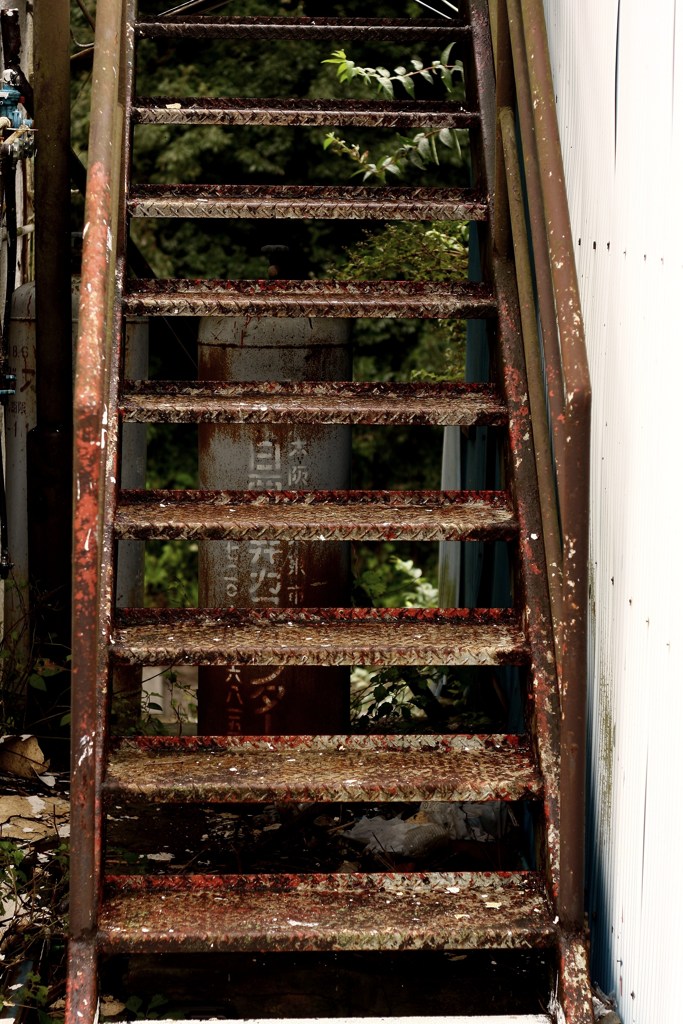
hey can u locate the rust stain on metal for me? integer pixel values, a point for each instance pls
(325, 768)
(309, 298)
(334, 29)
(313, 402)
(319, 636)
(356, 912)
(300, 112)
(315, 515)
(574, 978)
(325, 912)
(294, 201)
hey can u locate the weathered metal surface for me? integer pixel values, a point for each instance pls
(97, 346)
(314, 912)
(574, 979)
(81, 982)
(422, 30)
(533, 596)
(532, 357)
(508, 1018)
(324, 912)
(325, 768)
(315, 515)
(208, 297)
(572, 457)
(274, 571)
(301, 112)
(313, 402)
(329, 636)
(344, 202)
(532, 590)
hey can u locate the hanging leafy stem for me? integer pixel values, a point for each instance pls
(384, 80)
(422, 148)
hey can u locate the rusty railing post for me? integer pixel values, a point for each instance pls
(97, 325)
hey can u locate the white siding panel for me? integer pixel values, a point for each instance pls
(618, 68)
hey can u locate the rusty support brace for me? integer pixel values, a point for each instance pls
(532, 175)
(532, 355)
(572, 459)
(505, 91)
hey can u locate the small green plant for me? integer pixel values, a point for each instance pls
(394, 583)
(152, 1010)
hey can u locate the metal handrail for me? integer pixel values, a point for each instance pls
(97, 329)
(558, 381)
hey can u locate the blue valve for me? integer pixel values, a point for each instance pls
(10, 98)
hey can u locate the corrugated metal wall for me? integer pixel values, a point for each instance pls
(618, 68)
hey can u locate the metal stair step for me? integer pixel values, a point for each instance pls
(300, 112)
(259, 913)
(315, 515)
(208, 769)
(422, 30)
(312, 402)
(328, 636)
(508, 1018)
(344, 202)
(411, 299)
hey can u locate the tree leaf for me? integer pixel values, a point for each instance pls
(423, 146)
(445, 56)
(408, 84)
(445, 138)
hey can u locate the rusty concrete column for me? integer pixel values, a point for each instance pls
(272, 573)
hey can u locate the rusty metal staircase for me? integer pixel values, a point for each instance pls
(158, 914)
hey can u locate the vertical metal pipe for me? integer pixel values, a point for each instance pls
(91, 420)
(49, 444)
(572, 458)
(52, 203)
(505, 91)
(535, 379)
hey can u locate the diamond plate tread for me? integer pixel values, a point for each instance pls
(297, 201)
(328, 636)
(300, 112)
(324, 768)
(315, 515)
(412, 299)
(420, 30)
(259, 913)
(313, 402)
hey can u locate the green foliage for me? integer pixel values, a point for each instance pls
(422, 148)
(140, 1009)
(417, 151)
(409, 249)
(438, 70)
(394, 582)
